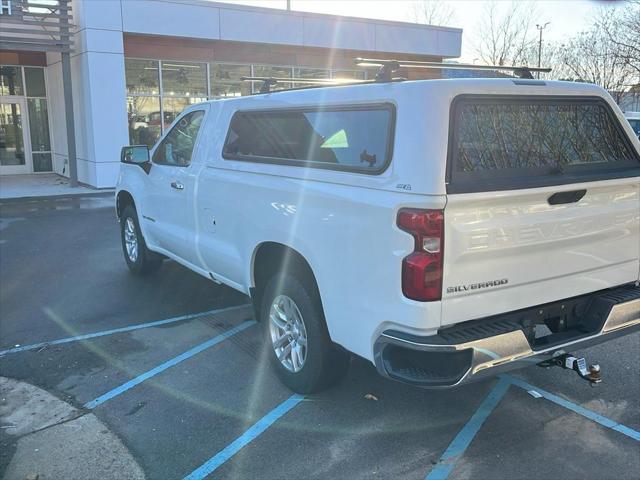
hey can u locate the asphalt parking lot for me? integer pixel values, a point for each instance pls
(172, 363)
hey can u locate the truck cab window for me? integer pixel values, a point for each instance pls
(176, 148)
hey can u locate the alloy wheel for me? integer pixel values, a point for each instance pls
(131, 239)
(288, 333)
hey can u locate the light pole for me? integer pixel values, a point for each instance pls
(540, 28)
(288, 4)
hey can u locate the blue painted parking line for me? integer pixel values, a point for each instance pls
(89, 336)
(168, 364)
(464, 438)
(574, 407)
(243, 440)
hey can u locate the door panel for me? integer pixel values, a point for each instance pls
(15, 153)
(167, 213)
(168, 205)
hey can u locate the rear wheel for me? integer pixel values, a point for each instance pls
(296, 336)
(139, 258)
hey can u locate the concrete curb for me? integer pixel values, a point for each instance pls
(54, 440)
(98, 193)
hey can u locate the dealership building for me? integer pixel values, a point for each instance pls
(81, 78)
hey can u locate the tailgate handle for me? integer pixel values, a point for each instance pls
(566, 197)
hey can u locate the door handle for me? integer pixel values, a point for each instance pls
(566, 197)
(177, 185)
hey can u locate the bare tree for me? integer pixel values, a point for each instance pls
(607, 53)
(623, 31)
(593, 56)
(505, 33)
(433, 12)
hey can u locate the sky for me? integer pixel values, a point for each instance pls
(567, 17)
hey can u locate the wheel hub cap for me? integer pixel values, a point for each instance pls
(130, 239)
(288, 333)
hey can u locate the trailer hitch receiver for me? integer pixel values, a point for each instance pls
(593, 375)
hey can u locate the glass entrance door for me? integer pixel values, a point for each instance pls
(15, 154)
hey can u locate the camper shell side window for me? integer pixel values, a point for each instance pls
(347, 138)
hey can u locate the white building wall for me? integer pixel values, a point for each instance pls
(57, 129)
(99, 93)
(84, 139)
(232, 22)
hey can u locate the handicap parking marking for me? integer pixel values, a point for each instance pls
(243, 440)
(168, 364)
(463, 439)
(89, 336)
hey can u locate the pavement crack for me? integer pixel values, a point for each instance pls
(76, 415)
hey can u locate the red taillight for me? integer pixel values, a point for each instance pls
(422, 270)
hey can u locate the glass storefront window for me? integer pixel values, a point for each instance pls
(11, 130)
(311, 73)
(225, 80)
(142, 76)
(144, 120)
(238, 89)
(10, 81)
(184, 83)
(183, 79)
(38, 124)
(34, 81)
(173, 106)
(42, 162)
(271, 71)
(348, 74)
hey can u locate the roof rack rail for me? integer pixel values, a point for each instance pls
(387, 67)
(268, 82)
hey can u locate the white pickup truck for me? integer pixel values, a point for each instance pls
(445, 230)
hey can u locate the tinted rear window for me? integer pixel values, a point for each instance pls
(345, 138)
(502, 143)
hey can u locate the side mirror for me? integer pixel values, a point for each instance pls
(136, 155)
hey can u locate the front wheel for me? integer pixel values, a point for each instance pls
(139, 258)
(296, 336)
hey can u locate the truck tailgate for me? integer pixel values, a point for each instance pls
(515, 250)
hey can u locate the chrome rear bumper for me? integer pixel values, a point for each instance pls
(484, 357)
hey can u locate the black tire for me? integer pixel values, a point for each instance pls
(145, 261)
(325, 363)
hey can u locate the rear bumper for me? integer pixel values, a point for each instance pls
(437, 362)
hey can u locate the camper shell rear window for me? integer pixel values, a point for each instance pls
(348, 138)
(514, 142)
